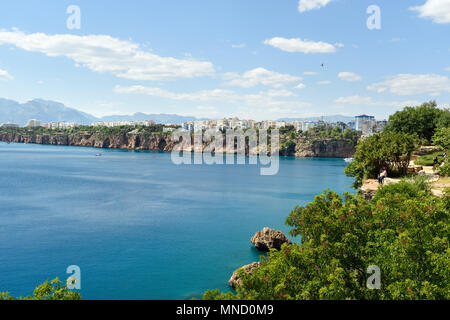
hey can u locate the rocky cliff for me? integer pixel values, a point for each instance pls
(138, 142)
(327, 148)
(163, 142)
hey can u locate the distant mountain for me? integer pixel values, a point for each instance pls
(331, 119)
(46, 111)
(49, 111)
(158, 118)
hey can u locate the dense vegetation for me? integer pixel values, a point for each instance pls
(393, 148)
(289, 137)
(335, 133)
(387, 149)
(404, 231)
(422, 121)
(49, 290)
(88, 130)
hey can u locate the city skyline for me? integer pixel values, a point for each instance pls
(234, 59)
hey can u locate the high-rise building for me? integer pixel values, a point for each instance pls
(33, 123)
(365, 124)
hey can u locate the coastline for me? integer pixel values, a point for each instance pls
(304, 148)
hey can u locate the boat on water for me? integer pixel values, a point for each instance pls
(98, 155)
(348, 160)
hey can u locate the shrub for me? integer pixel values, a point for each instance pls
(444, 170)
(49, 290)
(405, 236)
(422, 120)
(388, 149)
(410, 187)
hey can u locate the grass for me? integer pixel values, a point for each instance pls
(428, 160)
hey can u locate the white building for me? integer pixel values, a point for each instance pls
(365, 124)
(9, 125)
(33, 123)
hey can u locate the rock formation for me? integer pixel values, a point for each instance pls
(163, 142)
(235, 281)
(267, 239)
(325, 148)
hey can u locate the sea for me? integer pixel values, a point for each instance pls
(138, 226)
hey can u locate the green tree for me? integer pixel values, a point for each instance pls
(422, 120)
(406, 236)
(387, 149)
(442, 138)
(49, 290)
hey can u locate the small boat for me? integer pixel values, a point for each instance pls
(349, 160)
(98, 155)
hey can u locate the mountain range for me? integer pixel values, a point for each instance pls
(50, 111)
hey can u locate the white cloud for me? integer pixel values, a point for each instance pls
(4, 75)
(204, 95)
(307, 5)
(105, 54)
(310, 73)
(238, 46)
(259, 76)
(349, 76)
(301, 86)
(325, 82)
(411, 84)
(368, 101)
(447, 69)
(299, 45)
(354, 100)
(436, 10)
(261, 99)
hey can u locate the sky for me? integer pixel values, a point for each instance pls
(252, 59)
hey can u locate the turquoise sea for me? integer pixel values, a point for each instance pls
(138, 226)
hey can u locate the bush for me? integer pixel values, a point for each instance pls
(405, 236)
(444, 170)
(410, 187)
(422, 120)
(442, 138)
(49, 290)
(388, 149)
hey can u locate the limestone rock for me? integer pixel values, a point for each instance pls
(267, 239)
(235, 281)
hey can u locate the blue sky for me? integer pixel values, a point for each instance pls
(254, 59)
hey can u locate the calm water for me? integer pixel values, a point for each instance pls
(138, 226)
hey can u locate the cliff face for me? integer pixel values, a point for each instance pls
(162, 142)
(137, 142)
(325, 149)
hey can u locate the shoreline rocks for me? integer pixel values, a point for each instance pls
(235, 281)
(163, 142)
(267, 239)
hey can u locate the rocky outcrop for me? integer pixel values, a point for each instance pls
(267, 239)
(163, 142)
(325, 148)
(126, 141)
(235, 281)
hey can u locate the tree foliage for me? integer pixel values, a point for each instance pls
(422, 120)
(387, 149)
(442, 138)
(405, 234)
(49, 290)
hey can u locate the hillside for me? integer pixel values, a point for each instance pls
(46, 111)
